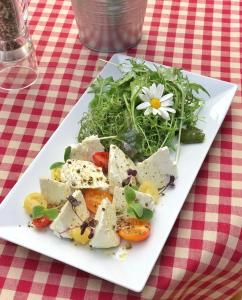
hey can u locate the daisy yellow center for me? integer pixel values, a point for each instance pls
(155, 103)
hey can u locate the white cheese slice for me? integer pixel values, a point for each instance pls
(86, 149)
(80, 174)
(121, 205)
(105, 235)
(55, 192)
(120, 202)
(70, 217)
(118, 165)
(157, 168)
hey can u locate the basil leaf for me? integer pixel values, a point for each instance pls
(134, 187)
(57, 164)
(51, 213)
(129, 194)
(131, 212)
(138, 209)
(147, 214)
(38, 211)
(67, 153)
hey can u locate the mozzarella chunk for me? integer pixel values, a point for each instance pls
(105, 235)
(118, 165)
(86, 149)
(70, 217)
(54, 192)
(157, 168)
(80, 174)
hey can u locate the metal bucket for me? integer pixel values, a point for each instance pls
(109, 25)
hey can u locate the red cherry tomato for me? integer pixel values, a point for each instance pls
(41, 222)
(100, 159)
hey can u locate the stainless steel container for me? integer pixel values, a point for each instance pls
(109, 25)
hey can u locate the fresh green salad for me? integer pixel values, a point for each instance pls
(144, 110)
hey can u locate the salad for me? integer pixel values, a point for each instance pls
(107, 186)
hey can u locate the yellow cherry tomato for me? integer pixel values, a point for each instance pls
(149, 188)
(32, 200)
(79, 238)
(56, 174)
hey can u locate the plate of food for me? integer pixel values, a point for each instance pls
(104, 192)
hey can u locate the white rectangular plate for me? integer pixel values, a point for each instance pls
(134, 271)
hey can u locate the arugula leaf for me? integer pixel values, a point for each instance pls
(135, 88)
(126, 78)
(67, 153)
(196, 87)
(129, 194)
(51, 213)
(57, 164)
(137, 208)
(147, 214)
(38, 212)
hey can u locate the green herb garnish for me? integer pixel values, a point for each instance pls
(59, 164)
(147, 214)
(135, 209)
(113, 114)
(39, 211)
(129, 194)
(67, 153)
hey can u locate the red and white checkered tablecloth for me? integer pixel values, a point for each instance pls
(202, 257)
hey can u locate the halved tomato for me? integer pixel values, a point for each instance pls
(94, 197)
(134, 230)
(100, 159)
(41, 222)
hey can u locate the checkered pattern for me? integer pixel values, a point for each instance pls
(202, 257)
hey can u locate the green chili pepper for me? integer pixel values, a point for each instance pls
(192, 135)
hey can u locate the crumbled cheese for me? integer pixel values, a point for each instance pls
(81, 174)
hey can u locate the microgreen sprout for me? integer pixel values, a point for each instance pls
(171, 183)
(127, 181)
(59, 164)
(39, 211)
(74, 202)
(135, 209)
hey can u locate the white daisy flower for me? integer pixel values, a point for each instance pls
(154, 102)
